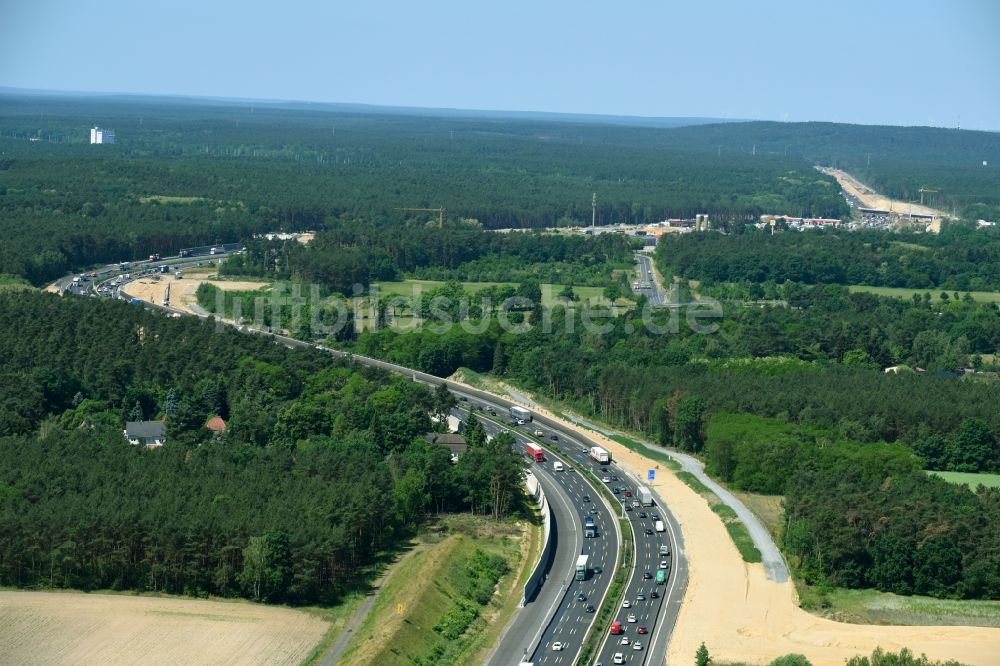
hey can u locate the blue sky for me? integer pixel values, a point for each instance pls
(905, 62)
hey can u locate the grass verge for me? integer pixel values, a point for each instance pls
(431, 610)
(885, 608)
(511, 590)
(907, 294)
(969, 479)
(737, 530)
(769, 509)
(643, 450)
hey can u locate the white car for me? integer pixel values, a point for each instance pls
(663, 564)
(606, 479)
(557, 646)
(626, 604)
(619, 658)
(624, 641)
(631, 617)
(636, 646)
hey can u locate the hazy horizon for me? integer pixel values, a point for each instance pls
(860, 63)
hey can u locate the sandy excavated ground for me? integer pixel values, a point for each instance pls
(742, 616)
(875, 200)
(76, 628)
(182, 292)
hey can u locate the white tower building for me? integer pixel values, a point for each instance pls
(98, 135)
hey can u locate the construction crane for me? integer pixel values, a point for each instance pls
(922, 190)
(439, 211)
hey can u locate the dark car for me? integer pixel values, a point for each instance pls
(590, 608)
(642, 514)
(555, 437)
(646, 575)
(586, 498)
(581, 597)
(654, 595)
(628, 493)
(649, 532)
(597, 570)
(614, 477)
(615, 490)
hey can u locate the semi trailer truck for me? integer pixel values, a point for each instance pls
(520, 414)
(645, 496)
(600, 454)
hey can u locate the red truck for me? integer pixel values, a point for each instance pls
(534, 452)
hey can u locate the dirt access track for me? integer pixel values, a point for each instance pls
(77, 628)
(182, 291)
(742, 616)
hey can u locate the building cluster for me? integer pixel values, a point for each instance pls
(153, 434)
(100, 135)
(776, 222)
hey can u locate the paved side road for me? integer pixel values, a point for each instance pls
(774, 563)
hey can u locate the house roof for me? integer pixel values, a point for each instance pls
(452, 441)
(145, 429)
(216, 423)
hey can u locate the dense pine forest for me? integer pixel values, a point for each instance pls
(788, 395)
(353, 254)
(322, 467)
(962, 166)
(192, 173)
(959, 258)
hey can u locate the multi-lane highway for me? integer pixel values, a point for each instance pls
(657, 609)
(652, 606)
(645, 283)
(567, 619)
(566, 624)
(101, 281)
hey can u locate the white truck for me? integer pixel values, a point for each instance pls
(659, 526)
(600, 454)
(581, 567)
(520, 414)
(645, 497)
